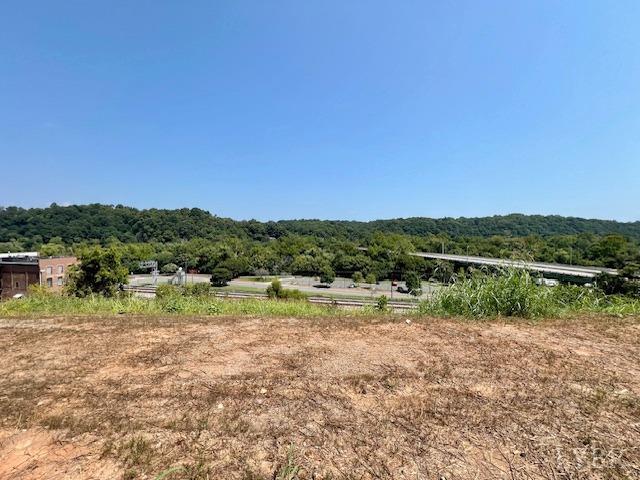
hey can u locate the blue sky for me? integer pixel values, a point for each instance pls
(323, 109)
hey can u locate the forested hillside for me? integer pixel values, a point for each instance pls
(198, 240)
(79, 223)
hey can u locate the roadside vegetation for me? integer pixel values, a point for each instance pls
(171, 301)
(512, 293)
(95, 283)
(195, 240)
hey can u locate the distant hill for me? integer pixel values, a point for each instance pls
(99, 222)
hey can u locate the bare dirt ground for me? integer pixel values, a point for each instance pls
(133, 397)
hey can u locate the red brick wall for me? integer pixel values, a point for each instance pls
(16, 279)
(54, 271)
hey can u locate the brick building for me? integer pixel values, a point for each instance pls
(20, 270)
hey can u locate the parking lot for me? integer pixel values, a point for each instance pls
(340, 287)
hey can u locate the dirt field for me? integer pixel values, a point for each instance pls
(260, 399)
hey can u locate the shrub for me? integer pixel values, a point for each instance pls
(100, 271)
(370, 278)
(275, 290)
(165, 290)
(292, 295)
(511, 293)
(169, 269)
(221, 276)
(327, 275)
(383, 303)
(412, 279)
(197, 289)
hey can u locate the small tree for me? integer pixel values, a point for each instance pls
(275, 289)
(382, 303)
(169, 269)
(327, 275)
(412, 279)
(357, 277)
(370, 278)
(220, 277)
(100, 271)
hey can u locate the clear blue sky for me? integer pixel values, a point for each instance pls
(323, 109)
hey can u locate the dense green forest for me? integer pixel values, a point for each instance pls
(198, 240)
(79, 223)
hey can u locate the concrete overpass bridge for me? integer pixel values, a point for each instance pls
(551, 269)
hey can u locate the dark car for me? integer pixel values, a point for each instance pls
(402, 289)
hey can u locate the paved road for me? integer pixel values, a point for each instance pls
(304, 284)
(337, 288)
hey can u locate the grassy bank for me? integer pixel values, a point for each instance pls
(511, 294)
(514, 293)
(55, 304)
(47, 304)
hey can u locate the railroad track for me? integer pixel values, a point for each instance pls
(339, 302)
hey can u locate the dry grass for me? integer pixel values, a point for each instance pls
(175, 398)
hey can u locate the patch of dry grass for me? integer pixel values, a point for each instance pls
(178, 398)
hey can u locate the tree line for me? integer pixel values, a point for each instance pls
(77, 223)
(196, 240)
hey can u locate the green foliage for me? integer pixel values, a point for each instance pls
(382, 304)
(165, 291)
(169, 268)
(290, 470)
(55, 247)
(554, 301)
(76, 223)
(327, 275)
(221, 276)
(100, 271)
(174, 303)
(357, 277)
(414, 284)
(512, 293)
(619, 284)
(275, 290)
(195, 239)
(197, 289)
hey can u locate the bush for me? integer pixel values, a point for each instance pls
(165, 291)
(370, 278)
(169, 269)
(221, 276)
(512, 293)
(275, 290)
(327, 275)
(412, 279)
(100, 271)
(383, 303)
(293, 295)
(197, 289)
